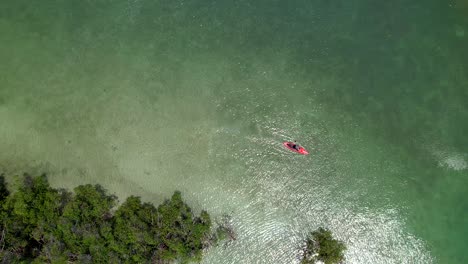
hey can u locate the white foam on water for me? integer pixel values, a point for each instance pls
(449, 158)
(454, 161)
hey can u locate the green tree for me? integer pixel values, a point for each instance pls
(29, 217)
(320, 245)
(181, 233)
(85, 225)
(132, 224)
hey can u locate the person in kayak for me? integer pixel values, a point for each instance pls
(295, 146)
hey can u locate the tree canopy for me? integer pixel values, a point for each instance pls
(321, 246)
(40, 224)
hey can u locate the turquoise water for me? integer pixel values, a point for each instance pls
(146, 97)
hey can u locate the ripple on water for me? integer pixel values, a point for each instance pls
(282, 197)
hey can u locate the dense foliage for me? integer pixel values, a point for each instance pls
(40, 224)
(321, 246)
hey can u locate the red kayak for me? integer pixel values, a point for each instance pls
(300, 150)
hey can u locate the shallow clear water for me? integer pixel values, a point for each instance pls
(145, 97)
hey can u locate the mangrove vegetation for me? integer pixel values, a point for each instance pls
(320, 246)
(40, 224)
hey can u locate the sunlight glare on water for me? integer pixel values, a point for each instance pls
(147, 97)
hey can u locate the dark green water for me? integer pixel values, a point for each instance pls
(150, 96)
